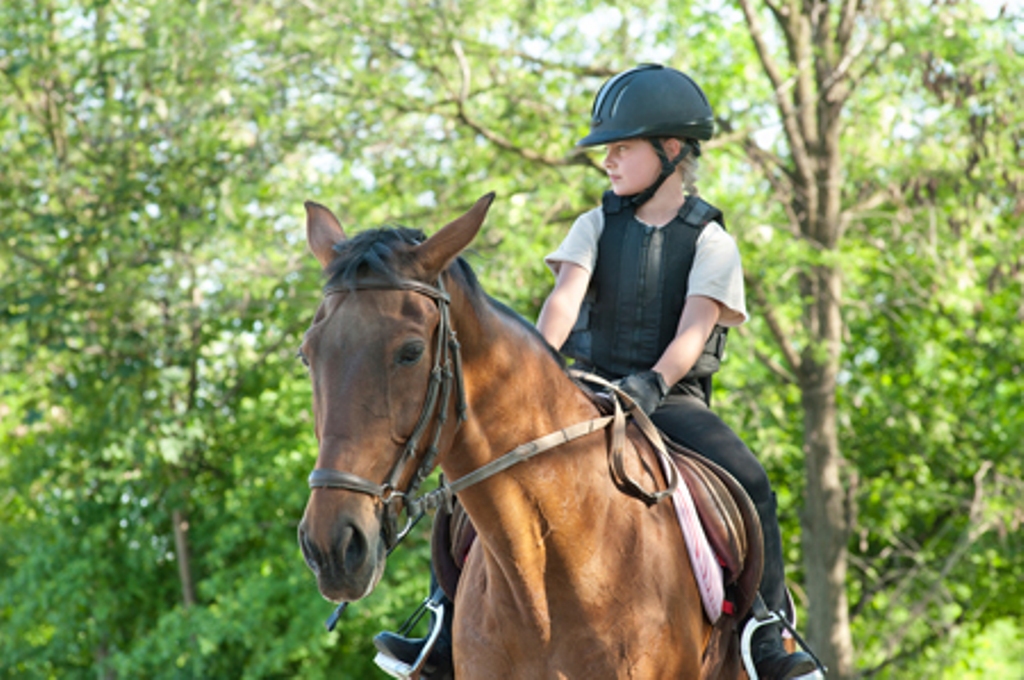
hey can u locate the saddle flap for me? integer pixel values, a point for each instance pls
(450, 541)
(719, 516)
(729, 519)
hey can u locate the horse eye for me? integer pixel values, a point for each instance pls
(410, 353)
(302, 357)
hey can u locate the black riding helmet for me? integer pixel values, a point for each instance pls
(651, 101)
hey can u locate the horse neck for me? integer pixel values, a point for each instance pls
(516, 392)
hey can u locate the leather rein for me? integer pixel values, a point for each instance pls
(446, 375)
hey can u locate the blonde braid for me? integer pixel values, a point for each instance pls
(688, 170)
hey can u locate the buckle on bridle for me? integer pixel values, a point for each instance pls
(389, 493)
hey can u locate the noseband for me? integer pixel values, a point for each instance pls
(446, 374)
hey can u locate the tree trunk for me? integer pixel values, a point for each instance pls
(180, 519)
(824, 517)
(100, 656)
(811, 88)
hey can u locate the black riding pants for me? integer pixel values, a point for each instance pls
(688, 421)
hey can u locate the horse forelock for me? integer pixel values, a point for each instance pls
(384, 252)
(387, 253)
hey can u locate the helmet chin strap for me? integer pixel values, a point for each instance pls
(668, 168)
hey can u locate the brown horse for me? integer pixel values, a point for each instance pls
(571, 577)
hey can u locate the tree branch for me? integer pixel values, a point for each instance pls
(911, 652)
(773, 366)
(870, 203)
(783, 191)
(793, 361)
(41, 264)
(789, 113)
(547, 64)
(775, 9)
(490, 135)
(845, 28)
(976, 527)
(855, 80)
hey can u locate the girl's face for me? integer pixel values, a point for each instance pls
(632, 166)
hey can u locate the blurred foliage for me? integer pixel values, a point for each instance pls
(153, 162)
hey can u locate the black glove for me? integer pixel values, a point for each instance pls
(648, 389)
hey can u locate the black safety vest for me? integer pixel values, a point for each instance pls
(637, 290)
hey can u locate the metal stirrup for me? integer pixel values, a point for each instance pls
(397, 668)
(761, 616)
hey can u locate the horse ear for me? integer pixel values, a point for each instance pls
(437, 252)
(323, 232)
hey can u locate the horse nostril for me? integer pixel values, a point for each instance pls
(309, 550)
(352, 546)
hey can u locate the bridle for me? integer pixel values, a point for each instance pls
(446, 374)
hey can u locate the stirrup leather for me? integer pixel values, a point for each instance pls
(762, 616)
(397, 668)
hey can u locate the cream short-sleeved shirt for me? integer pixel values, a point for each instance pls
(717, 271)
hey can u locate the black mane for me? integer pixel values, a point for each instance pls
(378, 252)
(387, 251)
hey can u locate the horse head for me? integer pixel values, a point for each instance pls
(378, 353)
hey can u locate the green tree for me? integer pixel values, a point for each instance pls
(146, 311)
(855, 97)
(154, 426)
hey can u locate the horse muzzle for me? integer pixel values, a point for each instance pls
(347, 559)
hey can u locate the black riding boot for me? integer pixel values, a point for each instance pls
(770, 658)
(438, 665)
